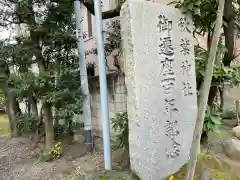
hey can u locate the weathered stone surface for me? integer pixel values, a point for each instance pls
(230, 95)
(162, 111)
(236, 131)
(79, 138)
(230, 122)
(232, 148)
(233, 93)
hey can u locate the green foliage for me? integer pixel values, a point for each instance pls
(48, 44)
(60, 130)
(112, 39)
(52, 154)
(76, 126)
(221, 72)
(57, 151)
(204, 16)
(203, 11)
(212, 121)
(63, 130)
(23, 83)
(26, 123)
(67, 111)
(120, 125)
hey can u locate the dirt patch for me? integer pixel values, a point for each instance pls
(214, 142)
(19, 161)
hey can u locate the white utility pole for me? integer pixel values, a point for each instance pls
(84, 79)
(103, 86)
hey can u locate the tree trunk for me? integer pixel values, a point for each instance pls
(237, 111)
(16, 106)
(7, 107)
(228, 32)
(204, 138)
(47, 111)
(204, 93)
(212, 95)
(213, 89)
(32, 103)
(48, 121)
(28, 104)
(13, 110)
(11, 104)
(209, 40)
(34, 107)
(221, 98)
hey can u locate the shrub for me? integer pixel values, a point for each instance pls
(76, 126)
(26, 123)
(60, 131)
(51, 154)
(120, 125)
(212, 121)
(64, 130)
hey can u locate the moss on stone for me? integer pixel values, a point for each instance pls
(218, 169)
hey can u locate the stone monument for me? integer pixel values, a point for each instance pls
(161, 85)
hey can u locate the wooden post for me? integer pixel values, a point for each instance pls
(204, 92)
(237, 111)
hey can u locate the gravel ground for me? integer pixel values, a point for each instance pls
(19, 161)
